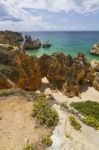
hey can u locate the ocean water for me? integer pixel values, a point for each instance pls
(66, 42)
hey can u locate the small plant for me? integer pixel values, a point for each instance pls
(68, 135)
(75, 124)
(64, 105)
(3, 91)
(44, 113)
(47, 141)
(29, 147)
(91, 121)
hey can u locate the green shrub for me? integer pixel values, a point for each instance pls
(91, 121)
(45, 114)
(87, 108)
(47, 141)
(68, 135)
(29, 147)
(3, 91)
(64, 105)
(75, 124)
(90, 110)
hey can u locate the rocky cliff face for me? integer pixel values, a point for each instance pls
(66, 73)
(95, 66)
(9, 37)
(63, 72)
(19, 68)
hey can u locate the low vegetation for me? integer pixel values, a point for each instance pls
(91, 121)
(74, 122)
(3, 91)
(47, 141)
(44, 113)
(29, 147)
(91, 112)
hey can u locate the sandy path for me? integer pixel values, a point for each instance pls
(17, 125)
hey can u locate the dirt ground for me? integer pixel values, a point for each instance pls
(17, 126)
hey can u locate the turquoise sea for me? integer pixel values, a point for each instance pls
(66, 42)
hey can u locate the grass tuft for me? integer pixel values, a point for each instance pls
(74, 122)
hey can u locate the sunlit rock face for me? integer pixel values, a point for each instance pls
(9, 37)
(95, 50)
(20, 68)
(66, 73)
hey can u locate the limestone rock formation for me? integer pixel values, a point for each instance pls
(21, 69)
(5, 83)
(95, 66)
(44, 62)
(63, 72)
(66, 73)
(96, 82)
(31, 44)
(95, 50)
(9, 37)
(46, 44)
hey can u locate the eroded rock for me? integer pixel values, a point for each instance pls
(95, 50)
(31, 44)
(21, 69)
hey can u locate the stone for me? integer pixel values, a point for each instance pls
(5, 83)
(95, 50)
(46, 44)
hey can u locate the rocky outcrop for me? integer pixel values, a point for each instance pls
(63, 72)
(5, 83)
(66, 73)
(19, 68)
(9, 37)
(46, 44)
(95, 50)
(44, 62)
(95, 66)
(96, 82)
(30, 44)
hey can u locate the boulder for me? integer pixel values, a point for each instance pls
(95, 65)
(5, 83)
(46, 44)
(95, 50)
